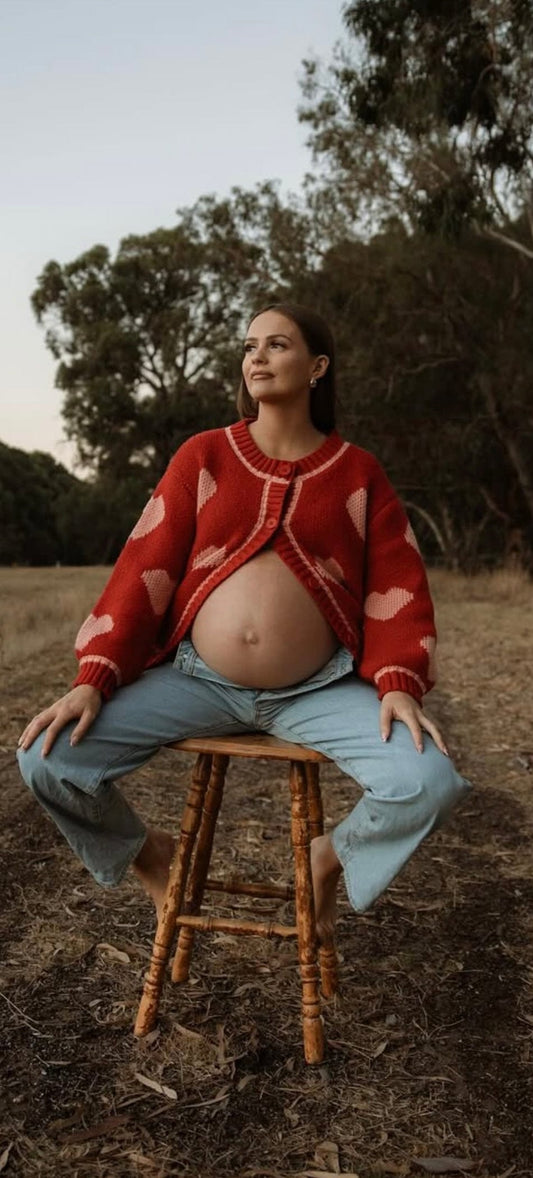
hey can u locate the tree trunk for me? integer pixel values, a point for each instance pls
(510, 441)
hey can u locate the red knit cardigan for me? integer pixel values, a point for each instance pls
(332, 517)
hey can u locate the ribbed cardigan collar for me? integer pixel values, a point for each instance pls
(262, 463)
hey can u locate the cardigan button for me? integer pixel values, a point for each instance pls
(285, 468)
(271, 521)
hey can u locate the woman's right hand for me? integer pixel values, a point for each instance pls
(83, 703)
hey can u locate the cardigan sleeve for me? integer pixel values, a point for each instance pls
(399, 635)
(116, 640)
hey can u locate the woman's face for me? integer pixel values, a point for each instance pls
(277, 363)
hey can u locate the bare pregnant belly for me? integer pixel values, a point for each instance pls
(261, 628)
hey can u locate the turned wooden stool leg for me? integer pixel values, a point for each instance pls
(313, 1030)
(327, 956)
(200, 867)
(177, 881)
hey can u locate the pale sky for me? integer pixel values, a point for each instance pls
(114, 114)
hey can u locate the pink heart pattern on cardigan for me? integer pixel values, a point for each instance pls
(159, 587)
(207, 486)
(152, 516)
(356, 507)
(209, 557)
(383, 606)
(92, 627)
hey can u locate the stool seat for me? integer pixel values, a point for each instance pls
(251, 744)
(188, 877)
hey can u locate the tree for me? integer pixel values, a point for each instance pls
(421, 129)
(436, 367)
(31, 486)
(48, 516)
(147, 341)
(94, 518)
(425, 114)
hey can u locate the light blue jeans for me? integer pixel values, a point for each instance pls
(405, 794)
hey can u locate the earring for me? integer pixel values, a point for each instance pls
(313, 382)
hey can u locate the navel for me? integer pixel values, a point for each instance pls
(250, 636)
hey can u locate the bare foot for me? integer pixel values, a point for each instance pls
(326, 870)
(152, 865)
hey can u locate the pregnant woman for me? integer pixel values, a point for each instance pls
(272, 583)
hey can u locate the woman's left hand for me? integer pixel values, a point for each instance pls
(398, 705)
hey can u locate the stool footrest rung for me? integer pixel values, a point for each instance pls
(238, 887)
(258, 928)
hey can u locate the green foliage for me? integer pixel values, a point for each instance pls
(147, 341)
(94, 518)
(425, 113)
(436, 368)
(48, 516)
(30, 487)
(422, 135)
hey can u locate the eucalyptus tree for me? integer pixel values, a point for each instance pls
(435, 372)
(148, 341)
(425, 114)
(421, 132)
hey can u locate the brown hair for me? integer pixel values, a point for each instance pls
(319, 340)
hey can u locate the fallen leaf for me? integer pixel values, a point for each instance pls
(327, 1156)
(114, 953)
(320, 1174)
(221, 1045)
(151, 1037)
(262, 1172)
(4, 1157)
(156, 1086)
(245, 1080)
(65, 1122)
(99, 1130)
(187, 1031)
(221, 1095)
(380, 1048)
(245, 987)
(449, 1165)
(400, 1168)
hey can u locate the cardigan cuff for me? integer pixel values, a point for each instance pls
(399, 679)
(99, 675)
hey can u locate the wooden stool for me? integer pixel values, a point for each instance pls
(197, 833)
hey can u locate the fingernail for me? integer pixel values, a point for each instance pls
(419, 748)
(445, 751)
(73, 741)
(384, 738)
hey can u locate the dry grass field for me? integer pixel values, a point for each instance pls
(40, 607)
(429, 1044)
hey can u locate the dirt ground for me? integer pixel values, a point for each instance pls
(429, 1043)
